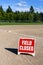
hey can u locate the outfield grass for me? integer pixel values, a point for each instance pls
(13, 23)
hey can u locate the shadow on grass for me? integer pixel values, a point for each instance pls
(13, 50)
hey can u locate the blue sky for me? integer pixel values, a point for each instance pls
(22, 5)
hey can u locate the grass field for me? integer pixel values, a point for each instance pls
(18, 23)
(9, 37)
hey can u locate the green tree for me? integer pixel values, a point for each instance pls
(9, 10)
(41, 17)
(1, 13)
(31, 9)
(31, 14)
(1, 9)
(36, 17)
(31, 17)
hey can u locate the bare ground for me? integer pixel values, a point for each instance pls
(9, 37)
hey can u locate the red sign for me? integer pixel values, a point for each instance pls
(26, 46)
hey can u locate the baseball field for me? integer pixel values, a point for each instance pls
(9, 38)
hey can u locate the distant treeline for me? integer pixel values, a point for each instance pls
(17, 16)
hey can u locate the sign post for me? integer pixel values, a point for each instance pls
(26, 45)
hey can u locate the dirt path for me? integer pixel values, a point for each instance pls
(9, 36)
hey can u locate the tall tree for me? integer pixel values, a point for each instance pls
(41, 16)
(31, 17)
(31, 9)
(36, 17)
(9, 10)
(1, 13)
(1, 9)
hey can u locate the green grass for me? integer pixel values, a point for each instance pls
(13, 23)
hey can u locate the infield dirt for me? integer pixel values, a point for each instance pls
(9, 37)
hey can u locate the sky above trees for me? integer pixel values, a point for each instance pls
(22, 5)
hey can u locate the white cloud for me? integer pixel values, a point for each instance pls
(22, 3)
(21, 9)
(19, 4)
(39, 9)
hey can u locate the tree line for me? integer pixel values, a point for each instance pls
(17, 16)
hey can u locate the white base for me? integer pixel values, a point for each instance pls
(18, 53)
(33, 54)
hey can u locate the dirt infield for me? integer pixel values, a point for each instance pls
(9, 36)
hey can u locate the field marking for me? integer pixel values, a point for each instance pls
(28, 35)
(10, 31)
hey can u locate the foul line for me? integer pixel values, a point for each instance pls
(1, 30)
(26, 35)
